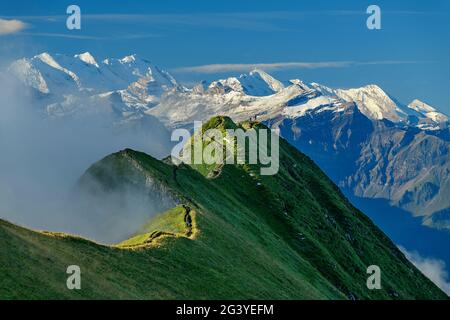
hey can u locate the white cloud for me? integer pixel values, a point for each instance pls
(89, 37)
(432, 268)
(11, 26)
(244, 67)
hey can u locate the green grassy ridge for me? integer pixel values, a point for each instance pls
(288, 236)
(170, 223)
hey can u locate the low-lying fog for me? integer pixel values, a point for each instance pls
(41, 160)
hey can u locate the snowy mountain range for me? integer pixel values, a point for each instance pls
(134, 85)
(256, 94)
(364, 139)
(65, 84)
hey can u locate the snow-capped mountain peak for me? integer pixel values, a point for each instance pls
(129, 59)
(52, 73)
(273, 83)
(225, 86)
(66, 82)
(420, 106)
(255, 83)
(428, 111)
(373, 102)
(324, 90)
(300, 83)
(31, 77)
(132, 84)
(87, 58)
(48, 59)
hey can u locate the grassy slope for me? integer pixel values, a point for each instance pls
(167, 224)
(292, 236)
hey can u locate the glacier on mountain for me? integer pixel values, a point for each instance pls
(134, 86)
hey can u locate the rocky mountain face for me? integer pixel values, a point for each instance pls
(369, 143)
(377, 159)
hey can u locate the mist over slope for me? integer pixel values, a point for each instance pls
(42, 158)
(236, 235)
(65, 112)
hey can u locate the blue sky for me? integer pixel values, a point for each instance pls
(408, 57)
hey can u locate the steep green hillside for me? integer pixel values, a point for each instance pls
(235, 234)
